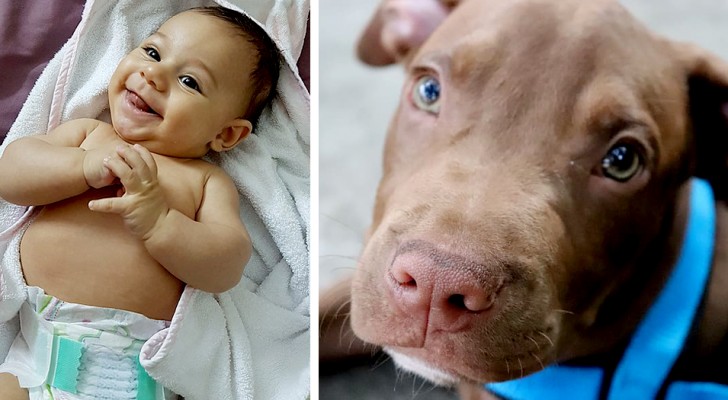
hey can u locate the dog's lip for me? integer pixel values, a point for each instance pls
(426, 369)
(449, 370)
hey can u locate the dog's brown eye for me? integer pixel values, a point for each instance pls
(426, 94)
(621, 163)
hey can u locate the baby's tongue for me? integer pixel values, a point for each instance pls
(141, 104)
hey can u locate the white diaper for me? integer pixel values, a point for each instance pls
(73, 351)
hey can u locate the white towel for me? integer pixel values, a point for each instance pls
(251, 342)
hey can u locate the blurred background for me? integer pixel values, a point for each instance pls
(356, 103)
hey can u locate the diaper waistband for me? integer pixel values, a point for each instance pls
(125, 326)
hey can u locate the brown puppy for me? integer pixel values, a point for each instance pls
(535, 190)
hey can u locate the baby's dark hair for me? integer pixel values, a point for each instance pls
(264, 76)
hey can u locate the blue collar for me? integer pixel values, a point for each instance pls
(658, 340)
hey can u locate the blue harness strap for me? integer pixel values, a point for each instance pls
(697, 391)
(658, 340)
(552, 383)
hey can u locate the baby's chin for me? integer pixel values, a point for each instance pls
(125, 134)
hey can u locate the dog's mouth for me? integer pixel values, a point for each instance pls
(451, 371)
(433, 374)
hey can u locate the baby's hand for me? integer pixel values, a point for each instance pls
(142, 206)
(95, 171)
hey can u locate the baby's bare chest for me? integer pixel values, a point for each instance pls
(182, 180)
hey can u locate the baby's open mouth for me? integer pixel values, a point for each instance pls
(139, 103)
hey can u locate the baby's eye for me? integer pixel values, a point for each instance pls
(153, 53)
(426, 94)
(190, 82)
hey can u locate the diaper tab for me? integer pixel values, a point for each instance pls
(147, 387)
(65, 363)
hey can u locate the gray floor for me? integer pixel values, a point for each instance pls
(356, 105)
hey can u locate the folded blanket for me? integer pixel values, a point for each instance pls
(249, 342)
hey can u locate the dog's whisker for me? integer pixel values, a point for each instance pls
(373, 349)
(538, 359)
(381, 360)
(564, 311)
(341, 307)
(547, 338)
(538, 347)
(339, 222)
(330, 317)
(423, 384)
(520, 364)
(351, 344)
(342, 329)
(417, 391)
(508, 368)
(399, 374)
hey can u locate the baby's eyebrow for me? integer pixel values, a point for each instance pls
(201, 65)
(161, 35)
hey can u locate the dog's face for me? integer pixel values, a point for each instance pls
(534, 187)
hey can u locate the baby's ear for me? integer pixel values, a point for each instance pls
(231, 135)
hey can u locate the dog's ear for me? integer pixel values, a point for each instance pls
(707, 78)
(399, 27)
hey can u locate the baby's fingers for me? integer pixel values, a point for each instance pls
(118, 167)
(140, 160)
(146, 155)
(113, 205)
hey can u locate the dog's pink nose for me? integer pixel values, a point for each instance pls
(442, 290)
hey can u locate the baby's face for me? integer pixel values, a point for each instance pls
(182, 86)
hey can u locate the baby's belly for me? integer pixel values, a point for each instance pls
(89, 258)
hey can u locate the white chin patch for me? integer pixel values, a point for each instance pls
(434, 375)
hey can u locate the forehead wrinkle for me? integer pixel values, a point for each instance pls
(520, 71)
(605, 102)
(505, 66)
(474, 60)
(438, 60)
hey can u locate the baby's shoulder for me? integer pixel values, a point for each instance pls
(215, 176)
(192, 167)
(214, 172)
(197, 177)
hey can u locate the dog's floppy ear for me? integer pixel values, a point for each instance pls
(707, 77)
(398, 27)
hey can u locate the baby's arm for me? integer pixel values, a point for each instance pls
(209, 252)
(43, 169)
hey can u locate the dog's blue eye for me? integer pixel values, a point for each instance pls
(426, 94)
(621, 163)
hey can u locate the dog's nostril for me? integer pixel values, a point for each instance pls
(404, 279)
(458, 301)
(410, 283)
(473, 303)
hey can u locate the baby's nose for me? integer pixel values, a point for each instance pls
(154, 76)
